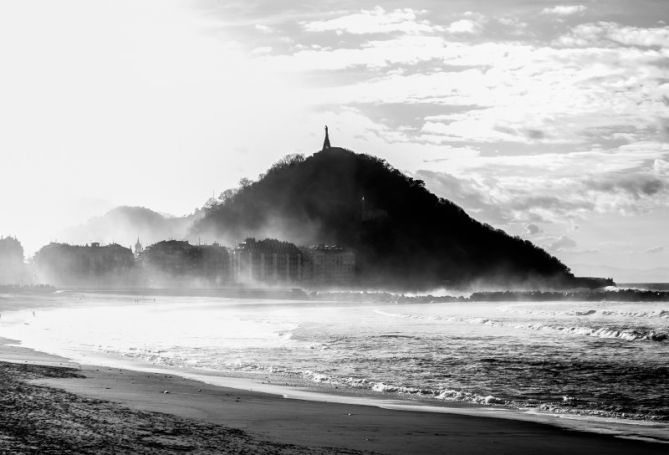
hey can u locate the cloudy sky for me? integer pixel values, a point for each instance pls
(549, 120)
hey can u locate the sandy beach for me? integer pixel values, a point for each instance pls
(54, 406)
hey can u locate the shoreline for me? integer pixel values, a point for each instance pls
(49, 420)
(305, 390)
(411, 425)
(343, 426)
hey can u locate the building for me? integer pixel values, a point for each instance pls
(175, 262)
(139, 249)
(62, 264)
(267, 261)
(330, 265)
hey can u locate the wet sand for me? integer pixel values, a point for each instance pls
(135, 412)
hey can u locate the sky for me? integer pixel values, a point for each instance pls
(549, 120)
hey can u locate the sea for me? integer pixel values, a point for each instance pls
(595, 365)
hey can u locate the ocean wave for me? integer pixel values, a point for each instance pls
(638, 314)
(646, 314)
(618, 313)
(585, 313)
(382, 387)
(567, 405)
(399, 315)
(627, 334)
(622, 333)
(483, 321)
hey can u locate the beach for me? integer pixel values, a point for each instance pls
(37, 419)
(54, 406)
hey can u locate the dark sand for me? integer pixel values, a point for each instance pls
(339, 425)
(46, 420)
(38, 419)
(48, 408)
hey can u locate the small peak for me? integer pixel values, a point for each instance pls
(326, 142)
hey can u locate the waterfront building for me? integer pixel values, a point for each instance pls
(330, 265)
(267, 261)
(175, 262)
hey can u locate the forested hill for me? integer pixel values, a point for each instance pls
(404, 236)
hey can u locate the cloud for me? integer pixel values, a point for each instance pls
(553, 187)
(377, 20)
(518, 92)
(564, 10)
(499, 202)
(464, 26)
(263, 28)
(611, 34)
(532, 229)
(661, 167)
(655, 250)
(563, 243)
(635, 185)
(469, 194)
(262, 50)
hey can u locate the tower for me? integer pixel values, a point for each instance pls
(326, 143)
(138, 248)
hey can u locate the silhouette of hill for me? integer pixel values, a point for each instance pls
(125, 224)
(403, 235)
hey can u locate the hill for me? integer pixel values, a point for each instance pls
(403, 235)
(125, 224)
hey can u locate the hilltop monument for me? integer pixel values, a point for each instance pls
(326, 142)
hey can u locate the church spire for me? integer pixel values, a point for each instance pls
(138, 248)
(326, 143)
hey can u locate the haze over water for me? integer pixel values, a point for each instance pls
(578, 358)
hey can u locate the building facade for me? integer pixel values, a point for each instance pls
(267, 261)
(178, 263)
(330, 265)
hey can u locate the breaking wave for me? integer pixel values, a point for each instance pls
(604, 331)
(645, 314)
(627, 334)
(382, 387)
(565, 405)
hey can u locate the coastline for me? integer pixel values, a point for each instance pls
(346, 427)
(49, 420)
(289, 388)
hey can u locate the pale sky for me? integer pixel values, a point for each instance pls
(547, 119)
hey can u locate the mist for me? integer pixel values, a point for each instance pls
(125, 225)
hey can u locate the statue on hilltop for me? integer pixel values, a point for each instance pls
(326, 143)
